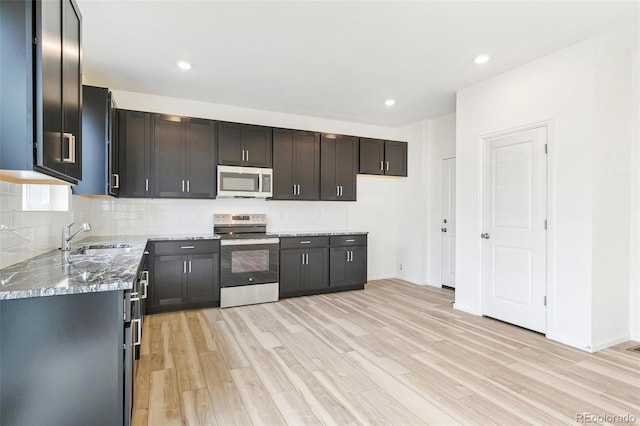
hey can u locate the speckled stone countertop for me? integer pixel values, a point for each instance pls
(317, 233)
(59, 273)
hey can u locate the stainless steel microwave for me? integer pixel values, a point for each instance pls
(249, 182)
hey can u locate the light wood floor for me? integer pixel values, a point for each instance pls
(394, 354)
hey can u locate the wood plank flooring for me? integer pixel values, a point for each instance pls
(393, 354)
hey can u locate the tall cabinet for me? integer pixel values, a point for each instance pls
(135, 144)
(296, 165)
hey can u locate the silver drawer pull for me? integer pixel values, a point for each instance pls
(71, 148)
(138, 323)
(188, 247)
(305, 242)
(350, 241)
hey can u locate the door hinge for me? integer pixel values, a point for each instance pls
(546, 148)
(545, 224)
(545, 300)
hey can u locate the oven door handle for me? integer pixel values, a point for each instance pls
(247, 242)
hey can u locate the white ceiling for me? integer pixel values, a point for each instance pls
(332, 59)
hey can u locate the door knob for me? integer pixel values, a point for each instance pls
(443, 229)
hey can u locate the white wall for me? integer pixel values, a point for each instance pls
(380, 199)
(581, 97)
(634, 210)
(441, 144)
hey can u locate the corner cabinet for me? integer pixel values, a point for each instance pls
(184, 274)
(339, 166)
(296, 165)
(244, 145)
(380, 157)
(42, 89)
(100, 171)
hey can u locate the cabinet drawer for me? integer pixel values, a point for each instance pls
(186, 247)
(348, 240)
(302, 242)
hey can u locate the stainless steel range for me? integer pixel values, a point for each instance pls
(249, 259)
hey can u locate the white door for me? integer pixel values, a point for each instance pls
(514, 235)
(448, 225)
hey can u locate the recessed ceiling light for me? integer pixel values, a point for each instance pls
(390, 102)
(481, 59)
(184, 65)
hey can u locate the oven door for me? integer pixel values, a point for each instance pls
(249, 261)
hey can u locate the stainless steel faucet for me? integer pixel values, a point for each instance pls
(67, 236)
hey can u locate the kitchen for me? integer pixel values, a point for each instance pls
(393, 249)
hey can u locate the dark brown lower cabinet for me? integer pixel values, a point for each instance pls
(315, 265)
(184, 275)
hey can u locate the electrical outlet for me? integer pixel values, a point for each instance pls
(399, 266)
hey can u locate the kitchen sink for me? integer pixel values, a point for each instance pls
(94, 249)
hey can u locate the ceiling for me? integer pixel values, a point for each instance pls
(332, 59)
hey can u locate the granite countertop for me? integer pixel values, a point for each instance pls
(318, 233)
(58, 273)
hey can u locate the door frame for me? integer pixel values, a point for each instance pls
(442, 160)
(549, 125)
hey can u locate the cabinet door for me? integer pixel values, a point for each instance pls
(339, 273)
(94, 141)
(315, 272)
(346, 166)
(328, 163)
(134, 138)
(290, 272)
(371, 156)
(307, 165)
(113, 164)
(230, 144)
(168, 274)
(71, 89)
(257, 146)
(50, 77)
(201, 158)
(357, 267)
(283, 165)
(395, 154)
(169, 153)
(201, 286)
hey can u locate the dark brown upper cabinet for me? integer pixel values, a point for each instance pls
(380, 157)
(184, 151)
(296, 165)
(338, 167)
(41, 86)
(135, 144)
(244, 145)
(97, 143)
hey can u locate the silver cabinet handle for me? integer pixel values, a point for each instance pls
(189, 266)
(138, 323)
(115, 177)
(350, 241)
(71, 148)
(247, 156)
(307, 258)
(347, 251)
(243, 155)
(305, 242)
(298, 186)
(294, 190)
(184, 266)
(146, 185)
(144, 281)
(381, 165)
(187, 247)
(341, 193)
(188, 181)
(134, 296)
(387, 166)
(337, 191)
(302, 261)
(182, 185)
